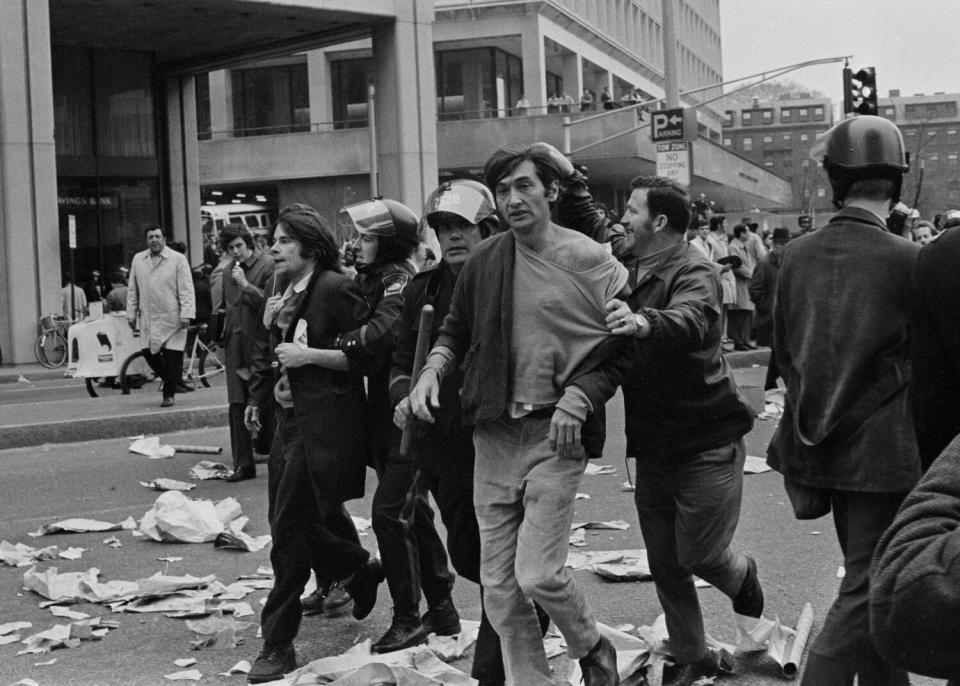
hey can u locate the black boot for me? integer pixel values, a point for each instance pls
(442, 619)
(405, 631)
(599, 666)
(363, 587)
(273, 662)
(749, 600)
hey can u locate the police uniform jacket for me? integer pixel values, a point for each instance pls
(369, 347)
(840, 336)
(328, 403)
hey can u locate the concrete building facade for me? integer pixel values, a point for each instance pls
(777, 135)
(98, 122)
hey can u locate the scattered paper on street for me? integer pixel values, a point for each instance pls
(595, 469)
(72, 553)
(22, 555)
(168, 485)
(177, 518)
(361, 524)
(149, 446)
(452, 647)
(582, 496)
(783, 644)
(113, 542)
(187, 675)
(578, 538)
(206, 469)
(77, 525)
(67, 613)
(618, 524)
(755, 465)
(633, 657)
(11, 632)
(46, 663)
(66, 636)
(185, 662)
(626, 487)
(242, 667)
(22, 379)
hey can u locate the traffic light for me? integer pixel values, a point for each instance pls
(860, 91)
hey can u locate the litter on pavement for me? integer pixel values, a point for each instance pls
(79, 525)
(149, 446)
(597, 469)
(187, 675)
(206, 469)
(168, 485)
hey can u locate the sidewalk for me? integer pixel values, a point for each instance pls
(87, 419)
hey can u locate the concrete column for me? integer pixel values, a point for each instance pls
(321, 100)
(406, 114)
(221, 102)
(184, 165)
(573, 78)
(534, 66)
(29, 233)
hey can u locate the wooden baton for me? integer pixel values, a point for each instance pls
(419, 357)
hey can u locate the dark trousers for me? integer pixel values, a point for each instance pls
(451, 482)
(414, 559)
(240, 442)
(168, 365)
(773, 372)
(305, 526)
(739, 323)
(689, 508)
(843, 648)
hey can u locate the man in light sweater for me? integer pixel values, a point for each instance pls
(527, 321)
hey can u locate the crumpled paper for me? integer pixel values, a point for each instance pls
(207, 469)
(77, 525)
(163, 484)
(450, 648)
(633, 657)
(617, 524)
(755, 465)
(175, 517)
(22, 555)
(11, 631)
(67, 635)
(186, 675)
(150, 447)
(597, 469)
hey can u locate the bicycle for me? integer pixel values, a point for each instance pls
(202, 367)
(50, 348)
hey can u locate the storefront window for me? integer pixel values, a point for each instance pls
(478, 83)
(349, 81)
(271, 100)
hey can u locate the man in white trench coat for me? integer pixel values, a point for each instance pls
(160, 293)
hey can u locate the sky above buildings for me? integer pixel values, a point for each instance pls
(914, 44)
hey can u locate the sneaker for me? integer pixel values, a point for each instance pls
(313, 603)
(405, 631)
(442, 619)
(273, 662)
(337, 601)
(167, 401)
(599, 666)
(749, 600)
(363, 587)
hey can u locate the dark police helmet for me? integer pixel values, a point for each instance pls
(862, 147)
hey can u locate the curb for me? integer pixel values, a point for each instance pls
(114, 426)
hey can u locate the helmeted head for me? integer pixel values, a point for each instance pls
(860, 148)
(383, 231)
(464, 198)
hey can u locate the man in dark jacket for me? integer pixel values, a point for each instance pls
(243, 294)
(763, 292)
(845, 441)
(320, 417)
(527, 322)
(935, 345)
(685, 423)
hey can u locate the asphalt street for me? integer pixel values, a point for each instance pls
(798, 561)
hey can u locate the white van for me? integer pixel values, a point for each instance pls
(252, 216)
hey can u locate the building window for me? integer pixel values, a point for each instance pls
(934, 157)
(271, 100)
(746, 118)
(728, 118)
(768, 139)
(804, 137)
(348, 85)
(482, 82)
(768, 163)
(766, 116)
(805, 162)
(888, 112)
(787, 137)
(803, 114)
(728, 142)
(786, 115)
(952, 159)
(821, 193)
(818, 113)
(951, 136)
(747, 143)
(202, 87)
(931, 110)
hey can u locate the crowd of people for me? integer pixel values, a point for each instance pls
(543, 308)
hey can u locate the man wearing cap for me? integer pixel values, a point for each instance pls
(846, 442)
(763, 292)
(526, 320)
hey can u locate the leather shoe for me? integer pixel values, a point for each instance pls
(184, 388)
(242, 474)
(599, 666)
(167, 401)
(442, 619)
(273, 662)
(363, 587)
(749, 599)
(405, 631)
(336, 600)
(708, 666)
(313, 603)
